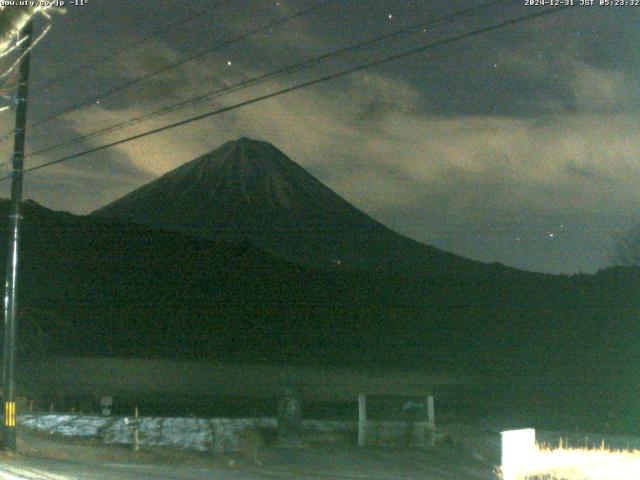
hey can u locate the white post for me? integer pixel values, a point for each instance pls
(518, 451)
(362, 420)
(136, 429)
(106, 403)
(431, 418)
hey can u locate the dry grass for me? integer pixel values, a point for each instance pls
(564, 463)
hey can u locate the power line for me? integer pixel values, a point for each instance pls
(299, 86)
(272, 75)
(302, 85)
(105, 58)
(184, 61)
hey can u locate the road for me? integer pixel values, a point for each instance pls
(47, 469)
(67, 470)
(42, 469)
(42, 457)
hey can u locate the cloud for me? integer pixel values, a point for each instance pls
(600, 90)
(151, 88)
(499, 163)
(584, 173)
(374, 138)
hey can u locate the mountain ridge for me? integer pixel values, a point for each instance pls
(248, 189)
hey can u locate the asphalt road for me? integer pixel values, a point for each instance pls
(43, 457)
(46, 469)
(43, 469)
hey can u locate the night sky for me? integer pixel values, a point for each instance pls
(519, 146)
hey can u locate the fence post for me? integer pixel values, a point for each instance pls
(362, 420)
(136, 430)
(290, 427)
(431, 418)
(134, 426)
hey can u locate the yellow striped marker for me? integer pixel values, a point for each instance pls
(9, 414)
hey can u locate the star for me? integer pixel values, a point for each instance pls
(390, 16)
(228, 63)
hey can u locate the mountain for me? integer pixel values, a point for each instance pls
(250, 190)
(93, 286)
(103, 287)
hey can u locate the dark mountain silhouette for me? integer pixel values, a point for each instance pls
(94, 286)
(226, 258)
(249, 190)
(188, 293)
(100, 286)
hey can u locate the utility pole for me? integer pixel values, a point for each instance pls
(11, 285)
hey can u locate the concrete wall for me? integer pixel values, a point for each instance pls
(219, 435)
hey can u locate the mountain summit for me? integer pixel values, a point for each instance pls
(249, 190)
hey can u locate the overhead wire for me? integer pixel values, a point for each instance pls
(272, 75)
(332, 76)
(46, 84)
(174, 65)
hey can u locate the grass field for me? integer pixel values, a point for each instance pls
(562, 463)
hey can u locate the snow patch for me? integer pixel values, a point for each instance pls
(203, 434)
